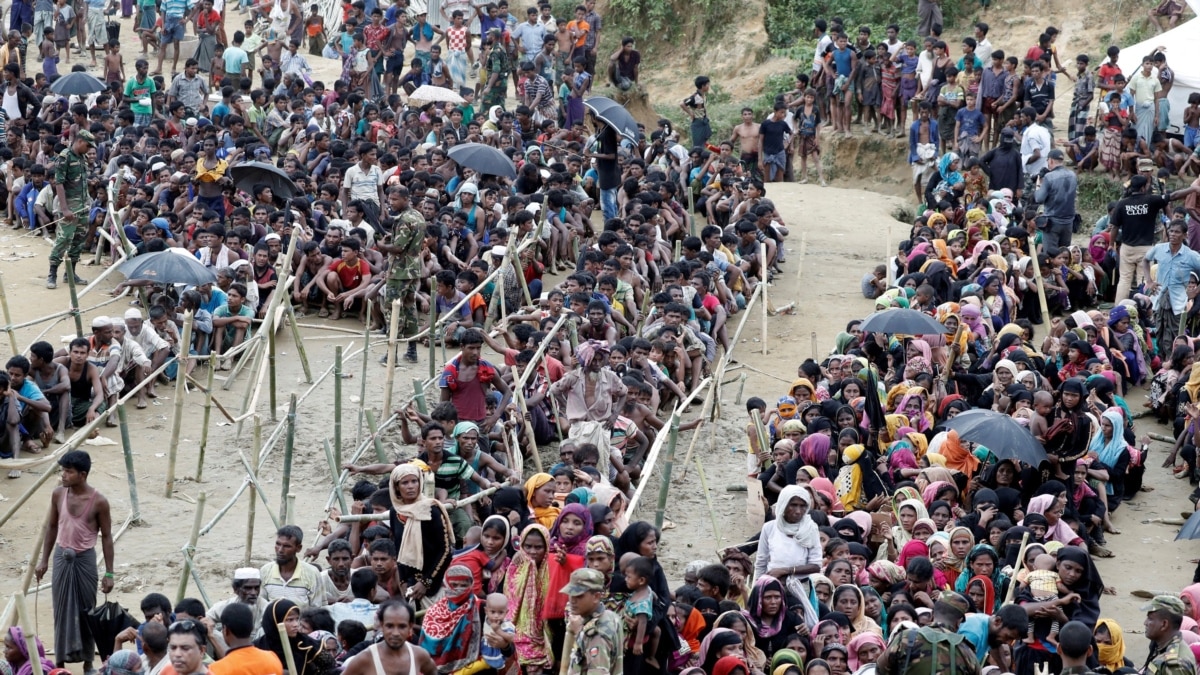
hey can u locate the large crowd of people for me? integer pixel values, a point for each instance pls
(890, 543)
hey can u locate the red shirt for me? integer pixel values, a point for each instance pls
(350, 276)
(374, 35)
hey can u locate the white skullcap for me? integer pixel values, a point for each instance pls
(244, 573)
(133, 313)
(101, 322)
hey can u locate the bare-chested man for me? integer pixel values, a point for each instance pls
(922, 154)
(394, 653)
(745, 136)
(77, 512)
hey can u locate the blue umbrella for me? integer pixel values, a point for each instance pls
(77, 84)
(167, 267)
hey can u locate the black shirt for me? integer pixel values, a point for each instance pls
(1135, 219)
(773, 135)
(608, 171)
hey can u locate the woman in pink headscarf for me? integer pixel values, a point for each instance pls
(814, 452)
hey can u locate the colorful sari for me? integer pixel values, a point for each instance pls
(526, 589)
(452, 628)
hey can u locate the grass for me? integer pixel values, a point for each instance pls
(1095, 191)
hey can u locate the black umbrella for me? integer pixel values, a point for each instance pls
(1191, 528)
(1000, 434)
(903, 321)
(614, 115)
(484, 159)
(77, 84)
(167, 267)
(246, 176)
(105, 622)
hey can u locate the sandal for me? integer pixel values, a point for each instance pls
(324, 313)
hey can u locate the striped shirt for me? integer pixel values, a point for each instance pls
(176, 8)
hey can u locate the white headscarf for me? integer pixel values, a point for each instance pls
(804, 532)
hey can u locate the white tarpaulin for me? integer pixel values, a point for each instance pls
(1182, 47)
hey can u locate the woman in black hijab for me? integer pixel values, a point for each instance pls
(309, 654)
(1079, 574)
(1070, 429)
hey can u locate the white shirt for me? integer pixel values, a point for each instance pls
(149, 339)
(332, 594)
(1035, 137)
(819, 54)
(363, 185)
(925, 67)
(983, 49)
(12, 105)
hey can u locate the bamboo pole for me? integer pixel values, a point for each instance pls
(763, 268)
(299, 340)
(706, 411)
(241, 363)
(208, 400)
(27, 578)
(253, 387)
(393, 332)
(333, 472)
(712, 514)
(180, 392)
(672, 442)
(12, 334)
(273, 400)
(531, 442)
(374, 429)
(519, 269)
(31, 643)
(1041, 285)
(366, 358)
(127, 449)
(652, 455)
(191, 547)
(290, 515)
(419, 396)
(804, 251)
(289, 446)
(433, 321)
(288, 658)
(254, 477)
(337, 406)
(569, 644)
(74, 298)
(1012, 586)
(451, 505)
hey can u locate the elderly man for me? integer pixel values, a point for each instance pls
(1169, 655)
(247, 590)
(134, 365)
(153, 345)
(104, 353)
(1176, 262)
(594, 397)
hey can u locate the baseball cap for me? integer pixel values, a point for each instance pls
(1056, 154)
(1145, 164)
(588, 580)
(1163, 603)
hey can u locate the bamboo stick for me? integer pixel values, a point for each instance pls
(241, 364)
(433, 320)
(333, 472)
(191, 546)
(1041, 285)
(366, 358)
(652, 455)
(27, 578)
(289, 446)
(712, 514)
(337, 406)
(31, 644)
(763, 267)
(531, 442)
(271, 390)
(519, 270)
(374, 429)
(12, 334)
(1012, 586)
(74, 298)
(180, 392)
(289, 659)
(419, 396)
(299, 339)
(204, 389)
(665, 487)
(127, 449)
(451, 505)
(290, 515)
(253, 476)
(208, 401)
(803, 252)
(393, 332)
(336, 329)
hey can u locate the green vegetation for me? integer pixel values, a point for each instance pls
(1096, 190)
(790, 22)
(659, 24)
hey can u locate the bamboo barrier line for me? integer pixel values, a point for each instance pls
(652, 455)
(180, 390)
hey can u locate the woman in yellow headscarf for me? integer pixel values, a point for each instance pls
(1111, 641)
(857, 483)
(1193, 384)
(944, 255)
(539, 495)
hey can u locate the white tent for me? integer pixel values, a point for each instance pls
(1182, 47)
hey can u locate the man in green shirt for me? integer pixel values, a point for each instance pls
(138, 91)
(71, 188)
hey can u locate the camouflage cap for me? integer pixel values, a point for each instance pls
(1165, 603)
(954, 601)
(583, 581)
(85, 135)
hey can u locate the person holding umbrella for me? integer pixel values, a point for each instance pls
(608, 171)
(71, 187)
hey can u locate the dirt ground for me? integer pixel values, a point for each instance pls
(839, 250)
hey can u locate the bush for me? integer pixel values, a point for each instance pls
(790, 22)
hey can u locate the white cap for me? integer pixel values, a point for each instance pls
(245, 573)
(500, 251)
(133, 313)
(102, 322)
(273, 237)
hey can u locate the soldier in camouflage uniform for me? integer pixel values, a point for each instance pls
(599, 647)
(404, 250)
(499, 67)
(1168, 653)
(71, 188)
(935, 649)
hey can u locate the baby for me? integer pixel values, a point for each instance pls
(1046, 586)
(498, 634)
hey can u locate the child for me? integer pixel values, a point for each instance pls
(49, 53)
(1191, 120)
(889, 82)
(1046, 586)
(808, 118)
(975, 181)
(216, 67)
(907, 61)
(64, 16)
(1085, 151)
(968, 129)
(498, 634)
(114, 65)
(868, 87)
(314, 27)
(640, 644)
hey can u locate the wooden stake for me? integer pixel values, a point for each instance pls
(274, 402)
(254, 477)
(433, 315)
(31, 646)
(803, 252)
(380, 455)
(1020, 564)
(813, 342)
(334, 470)
(289, 445)
(393, 331)
(712, 514)
(419, 396)
(289, 659)
(763, 268)
(337, 405)
(1041, 286)
(127, 448)
(568, 649)
(366, 358)
(531, 442)
(208, 400)
(27, 579)
(191, 547)
(672, 441)
(12, 334)
(299, 340)
(180, 392)
(291, 507)
(74, 299)
(518, 269)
